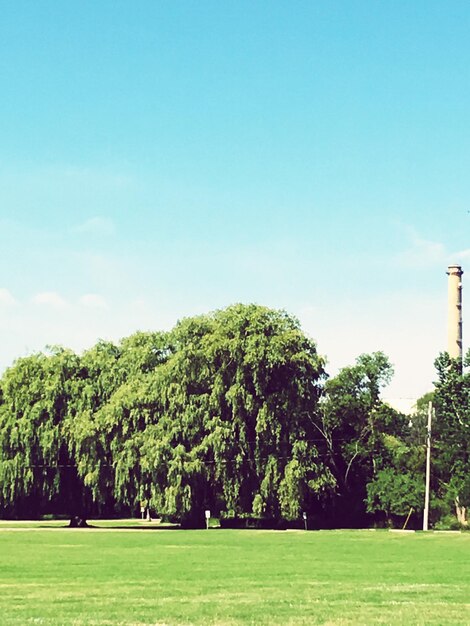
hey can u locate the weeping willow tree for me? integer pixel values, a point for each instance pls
(219, 413)
(222, 418)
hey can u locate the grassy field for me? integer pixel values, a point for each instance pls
(94, 577)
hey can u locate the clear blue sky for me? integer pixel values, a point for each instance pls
(161, 159)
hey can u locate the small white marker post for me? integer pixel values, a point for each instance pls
(304, 515)
(207, 514)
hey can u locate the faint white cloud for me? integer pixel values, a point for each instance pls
(93, 301)
(50, 298)
(104, 272)
(97, 226)
(6, 298)
(422, 253)
(463, 254)
(139, 304)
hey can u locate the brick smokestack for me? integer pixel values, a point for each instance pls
(454, 318)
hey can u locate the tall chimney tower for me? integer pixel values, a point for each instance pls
(454, 318)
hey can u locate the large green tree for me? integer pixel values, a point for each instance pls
(354, 420)
(221, 418)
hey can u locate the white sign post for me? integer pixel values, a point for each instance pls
(207, 514)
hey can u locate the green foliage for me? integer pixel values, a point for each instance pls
(354, 422)
(219, 413)
(448, 522)
(395, 493)
(451, 433)
(35, 460)
(228, 408)
(232, 412)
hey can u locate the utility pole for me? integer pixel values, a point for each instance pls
(428, 469)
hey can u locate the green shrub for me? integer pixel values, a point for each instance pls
(448, 522)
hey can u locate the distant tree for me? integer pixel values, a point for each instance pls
(416, 433)
(398, 486)
(353, 422)
(395, 493)
(451, 433)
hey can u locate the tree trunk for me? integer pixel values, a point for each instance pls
(461, 512)
(78, 522)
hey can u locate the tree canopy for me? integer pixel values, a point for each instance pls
(231, 411)
(217, 413)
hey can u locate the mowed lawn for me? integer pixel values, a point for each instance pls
(154, 577)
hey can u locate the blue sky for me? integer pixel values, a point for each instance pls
(162, 159)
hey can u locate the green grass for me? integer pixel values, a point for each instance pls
(94, 577)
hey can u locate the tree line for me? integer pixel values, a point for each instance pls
(233, 412)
